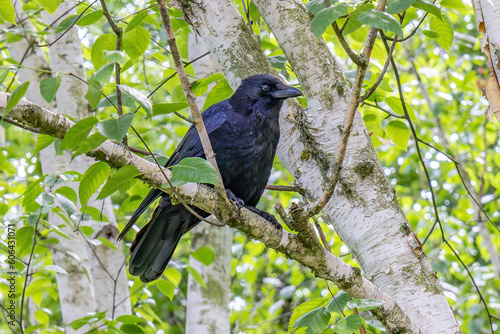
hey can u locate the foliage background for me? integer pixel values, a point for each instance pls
(266, 287)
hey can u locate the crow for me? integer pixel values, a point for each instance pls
(244, 133)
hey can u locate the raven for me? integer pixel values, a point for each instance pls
(244, 133)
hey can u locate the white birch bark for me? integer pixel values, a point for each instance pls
(207, 309)
(364, 208)
(77, 291)
(107, 266)
(488, 22)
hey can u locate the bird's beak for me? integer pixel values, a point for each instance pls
(286, 92)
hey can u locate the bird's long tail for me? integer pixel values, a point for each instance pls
(155, 243)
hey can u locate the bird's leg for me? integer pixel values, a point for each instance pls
(267, 216)
(232, 197)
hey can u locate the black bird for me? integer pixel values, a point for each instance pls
(244, 133)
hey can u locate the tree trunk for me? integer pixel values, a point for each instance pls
(207, 309)
(77, 291)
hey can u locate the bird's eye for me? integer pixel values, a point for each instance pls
(266, 88)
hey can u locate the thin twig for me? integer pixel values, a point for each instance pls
(347, 48)
(382, 74)
(296, 189)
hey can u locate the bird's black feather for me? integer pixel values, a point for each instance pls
(244, 133)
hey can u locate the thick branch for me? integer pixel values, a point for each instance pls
(319, 260)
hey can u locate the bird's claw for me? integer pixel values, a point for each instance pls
(232, 197)
(269, 217)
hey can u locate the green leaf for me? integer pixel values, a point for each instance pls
(166, 287)
(55, 269)
(94, 93)
(3, 74)
(199, 87)
(445, 29)
(136, 42)
(196, 276)
(7, 11)
(326, 17)
(67, 192)
(381, 20)
(364, 304)
(126, 101)
(116, 128)
(24, 239)
(49, 87)
(67, 23)
(315, 320)
(91, 180)
(152, 21)
(371, 119)
(104, 73)
(103, 43)
(131, 329)
(42, 141)
(17, 94)
(129, 319)
(49, 5)
(32, 192)
(121, 177)
(395, 104)
(348, 325)
(136, 20)
(66, 203)
(398, 6)
(278, 61)
(338, 303)
(114, 55)
(219, 92)
(399, 133)
(428, 7)
(78, 132)
(167, 108)
(453, 4)
(90, 18)
(353, 24)
(304, 308)
(431, 34)
(205, 254)
(173, 275)
(315, 6)
(139, 98)
(193, 170)
(107, 243)
(89, 144)
(41, 317)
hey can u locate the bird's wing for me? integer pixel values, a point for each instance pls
(190, 146)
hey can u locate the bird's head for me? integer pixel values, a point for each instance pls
(265, 88)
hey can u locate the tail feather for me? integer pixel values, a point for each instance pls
(148, 200)
(155, 243)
